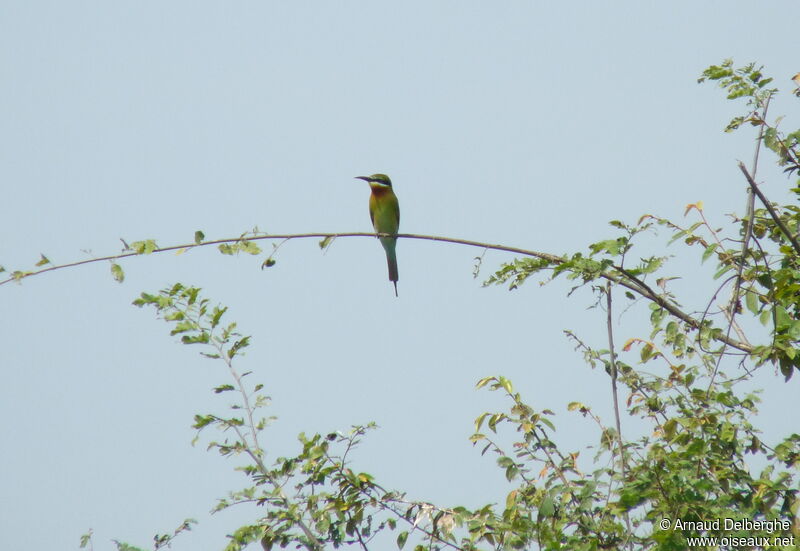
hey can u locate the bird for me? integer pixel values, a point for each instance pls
(384, 211)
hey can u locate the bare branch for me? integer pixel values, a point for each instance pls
(770, 208)
(612, 355)
(616, 274)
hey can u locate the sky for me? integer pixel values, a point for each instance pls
(529, 124)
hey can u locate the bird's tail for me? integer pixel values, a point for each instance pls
(391, 260)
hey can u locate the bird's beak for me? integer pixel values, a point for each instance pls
(365, 178)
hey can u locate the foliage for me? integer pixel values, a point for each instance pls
(698, 458)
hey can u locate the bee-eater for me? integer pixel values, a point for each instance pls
(384, 211)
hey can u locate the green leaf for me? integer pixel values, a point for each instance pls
(42, 260)
(628, 500)
(144, 247)
(709, 251)
(504, 461)
(18, 275)
(511, 472)
(578, 406)
(401, 539)
(511, 498)
(697, 447)
(479, 420)
(506, 384)
(117, 273)
(121, 546)
(728, 432)
(646, 352)
(751, 301)
(249, 247)
(494, 419)
(199, 236)
(477, 437)
(217, 314)
(670, 427)
(547, 508)
(547, 422)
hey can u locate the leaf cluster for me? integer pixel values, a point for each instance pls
(684, 381)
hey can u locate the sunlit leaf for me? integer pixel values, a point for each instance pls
(117, 273)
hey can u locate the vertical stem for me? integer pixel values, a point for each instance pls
(748, 234)
(256, 453)
(613, 363)
(748, 230)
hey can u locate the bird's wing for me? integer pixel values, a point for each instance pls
(395, 209)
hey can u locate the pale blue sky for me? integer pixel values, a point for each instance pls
(524, 123)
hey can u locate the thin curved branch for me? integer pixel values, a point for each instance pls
(616, 275)
(18, 276)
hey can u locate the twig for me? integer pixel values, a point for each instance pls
(358, 534)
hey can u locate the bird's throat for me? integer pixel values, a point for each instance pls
(379, 190)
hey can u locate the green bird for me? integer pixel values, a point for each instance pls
(384, 211)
